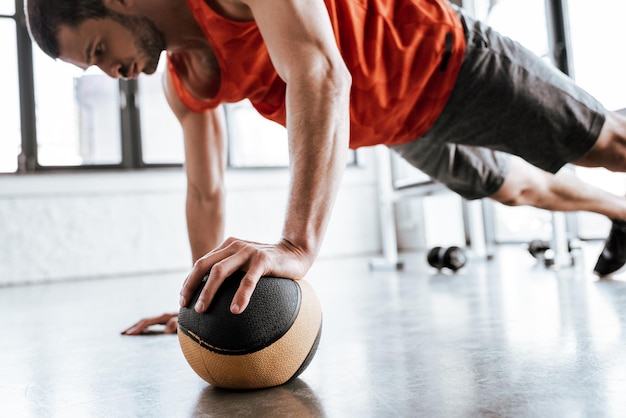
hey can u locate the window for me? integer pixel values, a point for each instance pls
(78, 116)
(596, 32)
(7, 7)
(161, 135)
(58, 117)
(514, 18)
(253, 140)
(76, 119)
(10, 144)
(256, 142)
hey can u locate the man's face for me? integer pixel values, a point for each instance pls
(123, 46)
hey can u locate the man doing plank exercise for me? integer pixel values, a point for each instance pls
(446, 92)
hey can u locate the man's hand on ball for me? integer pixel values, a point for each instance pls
(255, 259)
(169, 321)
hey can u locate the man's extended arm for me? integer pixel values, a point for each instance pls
(300, 40)
(205, 161)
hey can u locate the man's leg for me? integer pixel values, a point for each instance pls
(475, 172)
(529, 185)
(508, 99)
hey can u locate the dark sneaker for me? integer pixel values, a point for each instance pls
(613, 256)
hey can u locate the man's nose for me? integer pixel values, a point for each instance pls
(113, 70)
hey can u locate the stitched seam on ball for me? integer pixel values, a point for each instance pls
(231, 352)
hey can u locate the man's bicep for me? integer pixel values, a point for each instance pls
(298, 34)
(173, 100)
(205, 143)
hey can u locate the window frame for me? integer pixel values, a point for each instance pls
(131, 141)
(130, 125)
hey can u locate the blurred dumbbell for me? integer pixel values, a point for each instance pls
(452, 258)
(538, 247)
(541, 250)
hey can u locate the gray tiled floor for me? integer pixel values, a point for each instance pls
(501, 338)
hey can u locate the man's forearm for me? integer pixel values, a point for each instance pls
(319, 131)
(205, 223)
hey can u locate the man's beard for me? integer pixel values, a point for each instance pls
(149, 40)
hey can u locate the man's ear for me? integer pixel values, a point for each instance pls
(119, 6)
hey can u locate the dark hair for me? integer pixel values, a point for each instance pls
(44, 17)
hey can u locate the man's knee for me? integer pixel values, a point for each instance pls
(511, 194)
(522, 185)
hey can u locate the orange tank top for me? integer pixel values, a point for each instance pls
(404, 57)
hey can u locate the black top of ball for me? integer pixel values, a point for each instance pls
(273, 308)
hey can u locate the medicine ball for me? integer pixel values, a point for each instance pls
(270, 343)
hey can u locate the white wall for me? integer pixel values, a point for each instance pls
(88, 225)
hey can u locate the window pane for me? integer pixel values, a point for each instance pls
(7, 7)
(596, 32)
(253, 140)
(514, 19)
(10, 136)
(161, 135)
(78, 114)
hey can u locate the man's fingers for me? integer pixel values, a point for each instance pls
(133, 329)
(244, 292)
(219, 272)
(139, 328)
(231, 256)
(193, 280)
(142, 326)
(200, 269)
(172, 326)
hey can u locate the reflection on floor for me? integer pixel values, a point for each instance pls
(501, 338)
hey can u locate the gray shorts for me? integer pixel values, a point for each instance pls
(506, 100)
